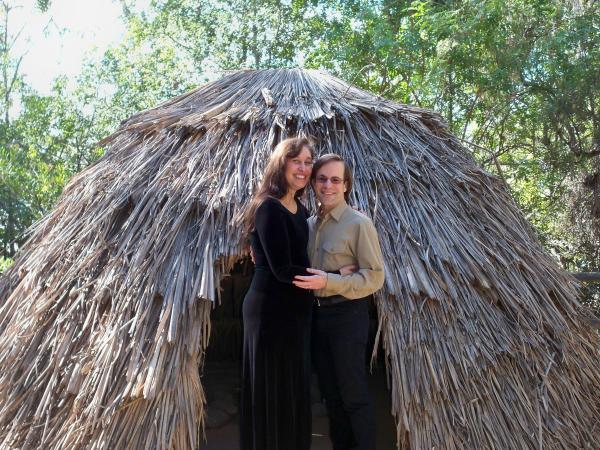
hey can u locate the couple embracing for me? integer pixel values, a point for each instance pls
(311, 278)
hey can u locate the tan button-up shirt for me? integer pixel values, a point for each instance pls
(342, 237)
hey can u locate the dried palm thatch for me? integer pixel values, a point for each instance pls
(105, 314)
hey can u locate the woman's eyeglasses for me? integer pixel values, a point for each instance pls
(299, 163)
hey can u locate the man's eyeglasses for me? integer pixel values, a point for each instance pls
(322, 179)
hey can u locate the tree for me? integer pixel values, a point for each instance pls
(43, 141)
(518, 77)
(515, 79)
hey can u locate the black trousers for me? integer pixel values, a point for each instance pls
(339, 344)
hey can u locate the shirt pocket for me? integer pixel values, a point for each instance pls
(336, 255)
(335, 248)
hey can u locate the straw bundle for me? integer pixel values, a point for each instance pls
(104, 317)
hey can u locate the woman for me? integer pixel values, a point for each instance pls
(275, 405)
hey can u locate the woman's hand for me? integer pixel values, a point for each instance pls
(316, 281)
(349, 269)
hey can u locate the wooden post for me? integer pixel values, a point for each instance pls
(587, 277)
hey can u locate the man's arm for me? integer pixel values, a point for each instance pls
(365, 281)
(370, 275)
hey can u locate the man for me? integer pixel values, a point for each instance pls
(339, 237)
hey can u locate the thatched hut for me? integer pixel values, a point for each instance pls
(104, 317)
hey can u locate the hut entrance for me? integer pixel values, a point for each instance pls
(222, 364)
(222, 368)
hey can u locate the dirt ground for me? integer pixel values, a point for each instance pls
(226, 436)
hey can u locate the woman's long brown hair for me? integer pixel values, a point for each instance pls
(274, 183)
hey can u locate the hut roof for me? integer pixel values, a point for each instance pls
(104, 316)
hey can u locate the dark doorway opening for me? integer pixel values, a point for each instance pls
(220, 374)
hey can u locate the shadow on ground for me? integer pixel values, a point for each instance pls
(221, 382)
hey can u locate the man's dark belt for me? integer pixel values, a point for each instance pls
(329, 301)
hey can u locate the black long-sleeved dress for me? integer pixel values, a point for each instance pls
(275, 405)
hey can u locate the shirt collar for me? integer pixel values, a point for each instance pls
(336, 212)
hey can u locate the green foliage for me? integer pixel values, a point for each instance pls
(43, 5)
(516, 77)
(53, 137)
(223, 35)
(40, 150)
(5, 263)
(138, 74)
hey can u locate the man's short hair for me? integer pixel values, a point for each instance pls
(331, 157)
